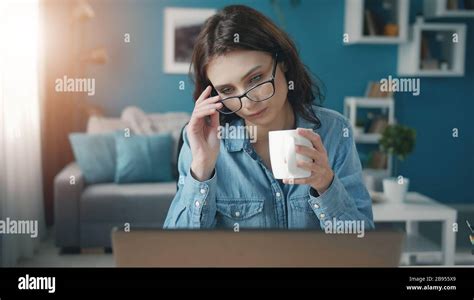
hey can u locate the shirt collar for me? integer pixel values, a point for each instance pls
(232, 144)
(235, 145)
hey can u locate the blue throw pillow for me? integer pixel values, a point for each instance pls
(143, 158)
(95, 155)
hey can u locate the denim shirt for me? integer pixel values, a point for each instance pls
(243, 192)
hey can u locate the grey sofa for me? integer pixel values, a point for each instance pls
(86, 214)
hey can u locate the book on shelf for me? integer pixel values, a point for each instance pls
(368, 121)
(452, 4)
(377, 160)
(370, 28)
(469, 4)
(430, 64)
(459, 4)
(390, 30)
(378, 124)
(425, 52)
(374, 90)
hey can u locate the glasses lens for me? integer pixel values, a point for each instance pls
(231, 105)
(261, 92)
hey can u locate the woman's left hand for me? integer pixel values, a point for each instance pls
(321, 173)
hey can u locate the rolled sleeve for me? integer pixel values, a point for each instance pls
(200, 199)
(194, 205)
(331, 203)
(347, 197)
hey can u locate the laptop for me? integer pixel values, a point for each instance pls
(254, 248)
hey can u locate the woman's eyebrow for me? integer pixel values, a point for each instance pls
(243, 77)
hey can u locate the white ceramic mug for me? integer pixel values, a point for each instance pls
(283, 155)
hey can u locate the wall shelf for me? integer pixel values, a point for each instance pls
(442, 56)
(376, 22)
(351, 104)
(376, 173)
(367, 138)
(448, 9)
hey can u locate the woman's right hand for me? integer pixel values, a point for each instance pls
(202, 136)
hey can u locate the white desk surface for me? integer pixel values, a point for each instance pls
(416, 207)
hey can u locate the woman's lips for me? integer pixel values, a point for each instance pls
(258, 114)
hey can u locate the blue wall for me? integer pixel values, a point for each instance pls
(441, 167)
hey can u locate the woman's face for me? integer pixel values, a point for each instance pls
(236, 72)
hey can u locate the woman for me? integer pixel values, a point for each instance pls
(247, 73)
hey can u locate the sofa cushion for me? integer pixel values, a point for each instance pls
(97, 124)
(143, 158)
(139, 121)
(95, 155)
(120, 203)
(171, 122)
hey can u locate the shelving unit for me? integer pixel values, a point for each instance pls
(350, 111)
(395, 22)
(443, 8)
(420, 248)
(438, 38)
(351, 104)
(415, 210)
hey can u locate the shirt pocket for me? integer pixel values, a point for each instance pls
(246, 213)
(301, 215)
(301, 204)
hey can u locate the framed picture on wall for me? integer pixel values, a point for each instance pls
(181, 28)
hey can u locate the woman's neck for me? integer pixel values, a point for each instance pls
(283, 121)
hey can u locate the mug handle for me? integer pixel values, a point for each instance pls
(290, 153)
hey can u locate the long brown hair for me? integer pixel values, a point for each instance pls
(254, 31)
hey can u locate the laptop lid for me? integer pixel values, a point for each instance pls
(254, 248)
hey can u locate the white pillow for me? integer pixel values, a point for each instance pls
(171, 122)
(138, 120)
(98, 124)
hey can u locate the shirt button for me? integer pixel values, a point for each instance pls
(322, 216)
(278, 194)
(197, 204)
(237, 213)
(315, 205)
(203, 191)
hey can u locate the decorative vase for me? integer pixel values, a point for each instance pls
(396, 188)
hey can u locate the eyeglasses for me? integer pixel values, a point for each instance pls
(261, 92)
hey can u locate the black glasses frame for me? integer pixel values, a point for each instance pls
(271, 80)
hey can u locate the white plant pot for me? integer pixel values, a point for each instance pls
(395, 188)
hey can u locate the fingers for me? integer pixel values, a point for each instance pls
(307, 151)
(318, 158)
(314, 138)
(204, 97)
(206, 110)
(206, 106)
(306, 180)
(211, 100)
(204, 94)
(215, 119)
(306, 165)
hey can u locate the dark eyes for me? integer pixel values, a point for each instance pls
(253, 80)
(226, 91)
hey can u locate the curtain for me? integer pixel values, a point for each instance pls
(20, 146)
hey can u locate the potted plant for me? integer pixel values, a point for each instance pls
(399, 141)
